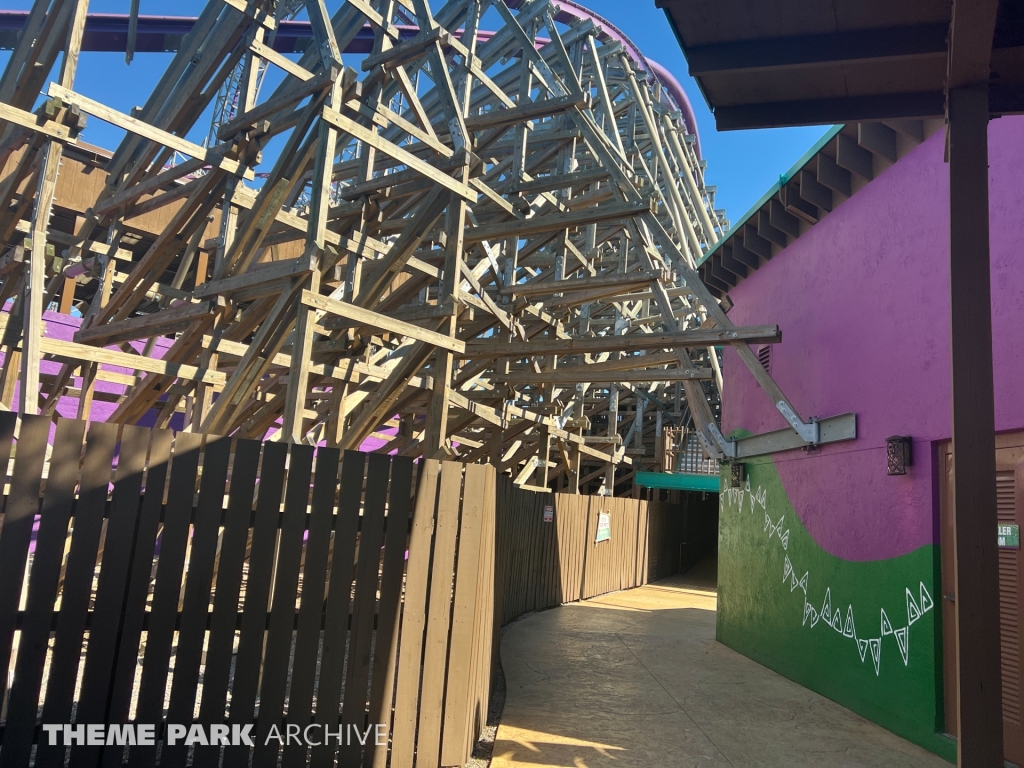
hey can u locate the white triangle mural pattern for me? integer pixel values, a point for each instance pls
(747, 499)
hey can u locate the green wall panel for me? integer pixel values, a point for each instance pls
(865, 634)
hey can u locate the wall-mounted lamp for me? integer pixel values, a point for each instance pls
(899, 454)
(737, 474)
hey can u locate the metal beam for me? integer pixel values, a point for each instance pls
(832, 430)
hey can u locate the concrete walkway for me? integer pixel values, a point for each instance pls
(636, 678)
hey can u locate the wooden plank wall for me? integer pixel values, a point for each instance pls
(150, 561)
(542, 565)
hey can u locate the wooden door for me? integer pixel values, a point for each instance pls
(1010, 510)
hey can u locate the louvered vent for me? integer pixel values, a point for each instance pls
(1009, 601)
(764, 357)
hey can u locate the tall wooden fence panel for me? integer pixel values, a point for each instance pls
(153, 578)
(543, 564)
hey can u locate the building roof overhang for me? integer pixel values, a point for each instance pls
(807, 62)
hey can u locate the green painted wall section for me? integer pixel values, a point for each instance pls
(818, 619)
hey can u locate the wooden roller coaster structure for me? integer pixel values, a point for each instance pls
(466, 244)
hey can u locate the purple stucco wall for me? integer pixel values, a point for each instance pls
(63, 327)
(863, 303)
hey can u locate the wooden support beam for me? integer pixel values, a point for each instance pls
(758, 334)
(73, 352)
(143, 129)
(35, 280)
(393, 150)
(161, 323)
(382, 322)
(555, 222)
(573, 374)
(49, 128)
(336, 299)
(979, 739)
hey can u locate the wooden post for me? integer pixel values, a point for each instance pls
(613, 430)
(980, 731)
(35, 280)
(436, 434)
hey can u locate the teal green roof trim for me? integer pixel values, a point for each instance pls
(678, 481)
(830, 134)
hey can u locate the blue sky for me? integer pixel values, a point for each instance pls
(742, 164)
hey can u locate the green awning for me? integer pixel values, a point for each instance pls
(678, 481)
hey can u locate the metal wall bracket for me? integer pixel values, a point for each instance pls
(726, 447)
(831, 430)
(834, 429)
(809, 432)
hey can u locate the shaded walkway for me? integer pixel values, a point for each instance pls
(636, 678)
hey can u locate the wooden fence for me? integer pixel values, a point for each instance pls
(149, 577)
(545, 564)
(170, 579)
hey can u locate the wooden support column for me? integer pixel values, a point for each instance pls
(336, 417)
(543, 455)
(89, 370)
(613, 430)
(67, 295)
(494, 445)
(980, 731)
(203, 399)
(435, 435)
(35, 282)
(292, 428)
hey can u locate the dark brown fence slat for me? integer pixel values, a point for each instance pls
(406, 632)
(367, 575)
(167, 588)
(8, 426)
(314, 579)
(198, 581)
(17, 528)
(403, 738)
(396, 537)
(106, 617)
(332, 668)
(78, 577)
(141, 558)
(225, 606)
(282, 611)
(249, 659)
(42, 593)
(438, 617)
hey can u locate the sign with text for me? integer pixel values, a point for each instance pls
(1009, 536)
(604, 526)
(549, 513)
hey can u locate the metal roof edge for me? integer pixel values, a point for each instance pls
(784, 178)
